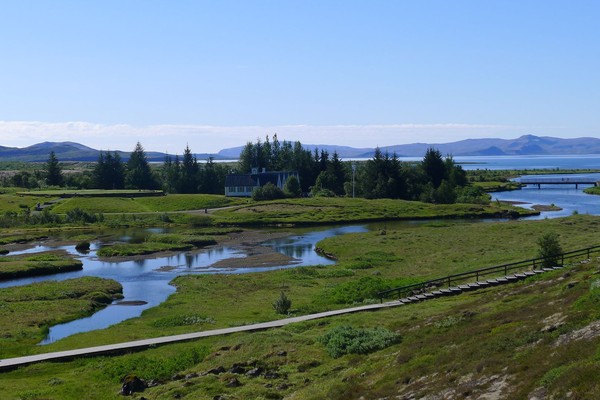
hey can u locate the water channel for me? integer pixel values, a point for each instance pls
(146, 282)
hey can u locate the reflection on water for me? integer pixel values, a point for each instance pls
(147, 280)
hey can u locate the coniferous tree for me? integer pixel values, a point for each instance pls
(434, 167)
(53, 172)
(109, 171)
(139, 175)
(190, 171)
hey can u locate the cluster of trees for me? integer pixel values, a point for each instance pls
(189, 176)
(435, 179)
(317, 170)
(111, 172)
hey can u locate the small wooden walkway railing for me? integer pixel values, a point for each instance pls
(482, 274)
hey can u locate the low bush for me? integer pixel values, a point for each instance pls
(182, 320)
(283, 304)
(345, 339)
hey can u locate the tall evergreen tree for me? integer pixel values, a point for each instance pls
(434, 167)
(139, 175)
(53, 171)
(109, 171)
(190, 171)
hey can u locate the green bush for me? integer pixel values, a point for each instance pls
(283, 304)
(151, 366)
(549, 249)
(79, 215)
(345, 339)
(358, 291)
(267, 192)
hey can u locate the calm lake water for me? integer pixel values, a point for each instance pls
(148, 280)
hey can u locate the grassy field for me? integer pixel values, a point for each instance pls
(535, 336)
(11, 202)
(507, 334)
(49, 263)
(91, 193)
(336, 210)
(173, 202)
(26, 312)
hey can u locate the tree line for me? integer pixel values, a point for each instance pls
(435, 179)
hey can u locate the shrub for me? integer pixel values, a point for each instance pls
(267, 192)
(549, 249)
(82, 246)
(182, 320)
(345, 339)
(358, 291)
(79, 215)
(283, 304)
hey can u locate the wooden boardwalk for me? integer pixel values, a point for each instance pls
(12, 363)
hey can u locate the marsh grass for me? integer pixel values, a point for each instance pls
(48, 263)
(156, 243)
(27, 311)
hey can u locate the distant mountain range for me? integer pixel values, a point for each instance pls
(524, 145)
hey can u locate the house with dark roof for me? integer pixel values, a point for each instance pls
(242, 185)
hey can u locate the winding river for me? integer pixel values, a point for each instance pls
(146, 282)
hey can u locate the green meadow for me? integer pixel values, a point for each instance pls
(502, 336)
(506, 334)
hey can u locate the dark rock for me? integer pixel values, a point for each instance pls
(153, 383)
(132, 384)
(237, 369)
(233, 383)
(282, 353)
(192, 375)
(254, 372)
(268, 385)
(571, 285)
(225, 348)
(177, 377)
(215, 371)
(282, 386)
(271, 375)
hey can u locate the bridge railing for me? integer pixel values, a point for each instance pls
(556, 180)
(482, 274)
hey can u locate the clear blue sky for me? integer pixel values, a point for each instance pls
(215, 74)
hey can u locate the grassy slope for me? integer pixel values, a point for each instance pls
(173, 202)
(510, 341)
(494, 333)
